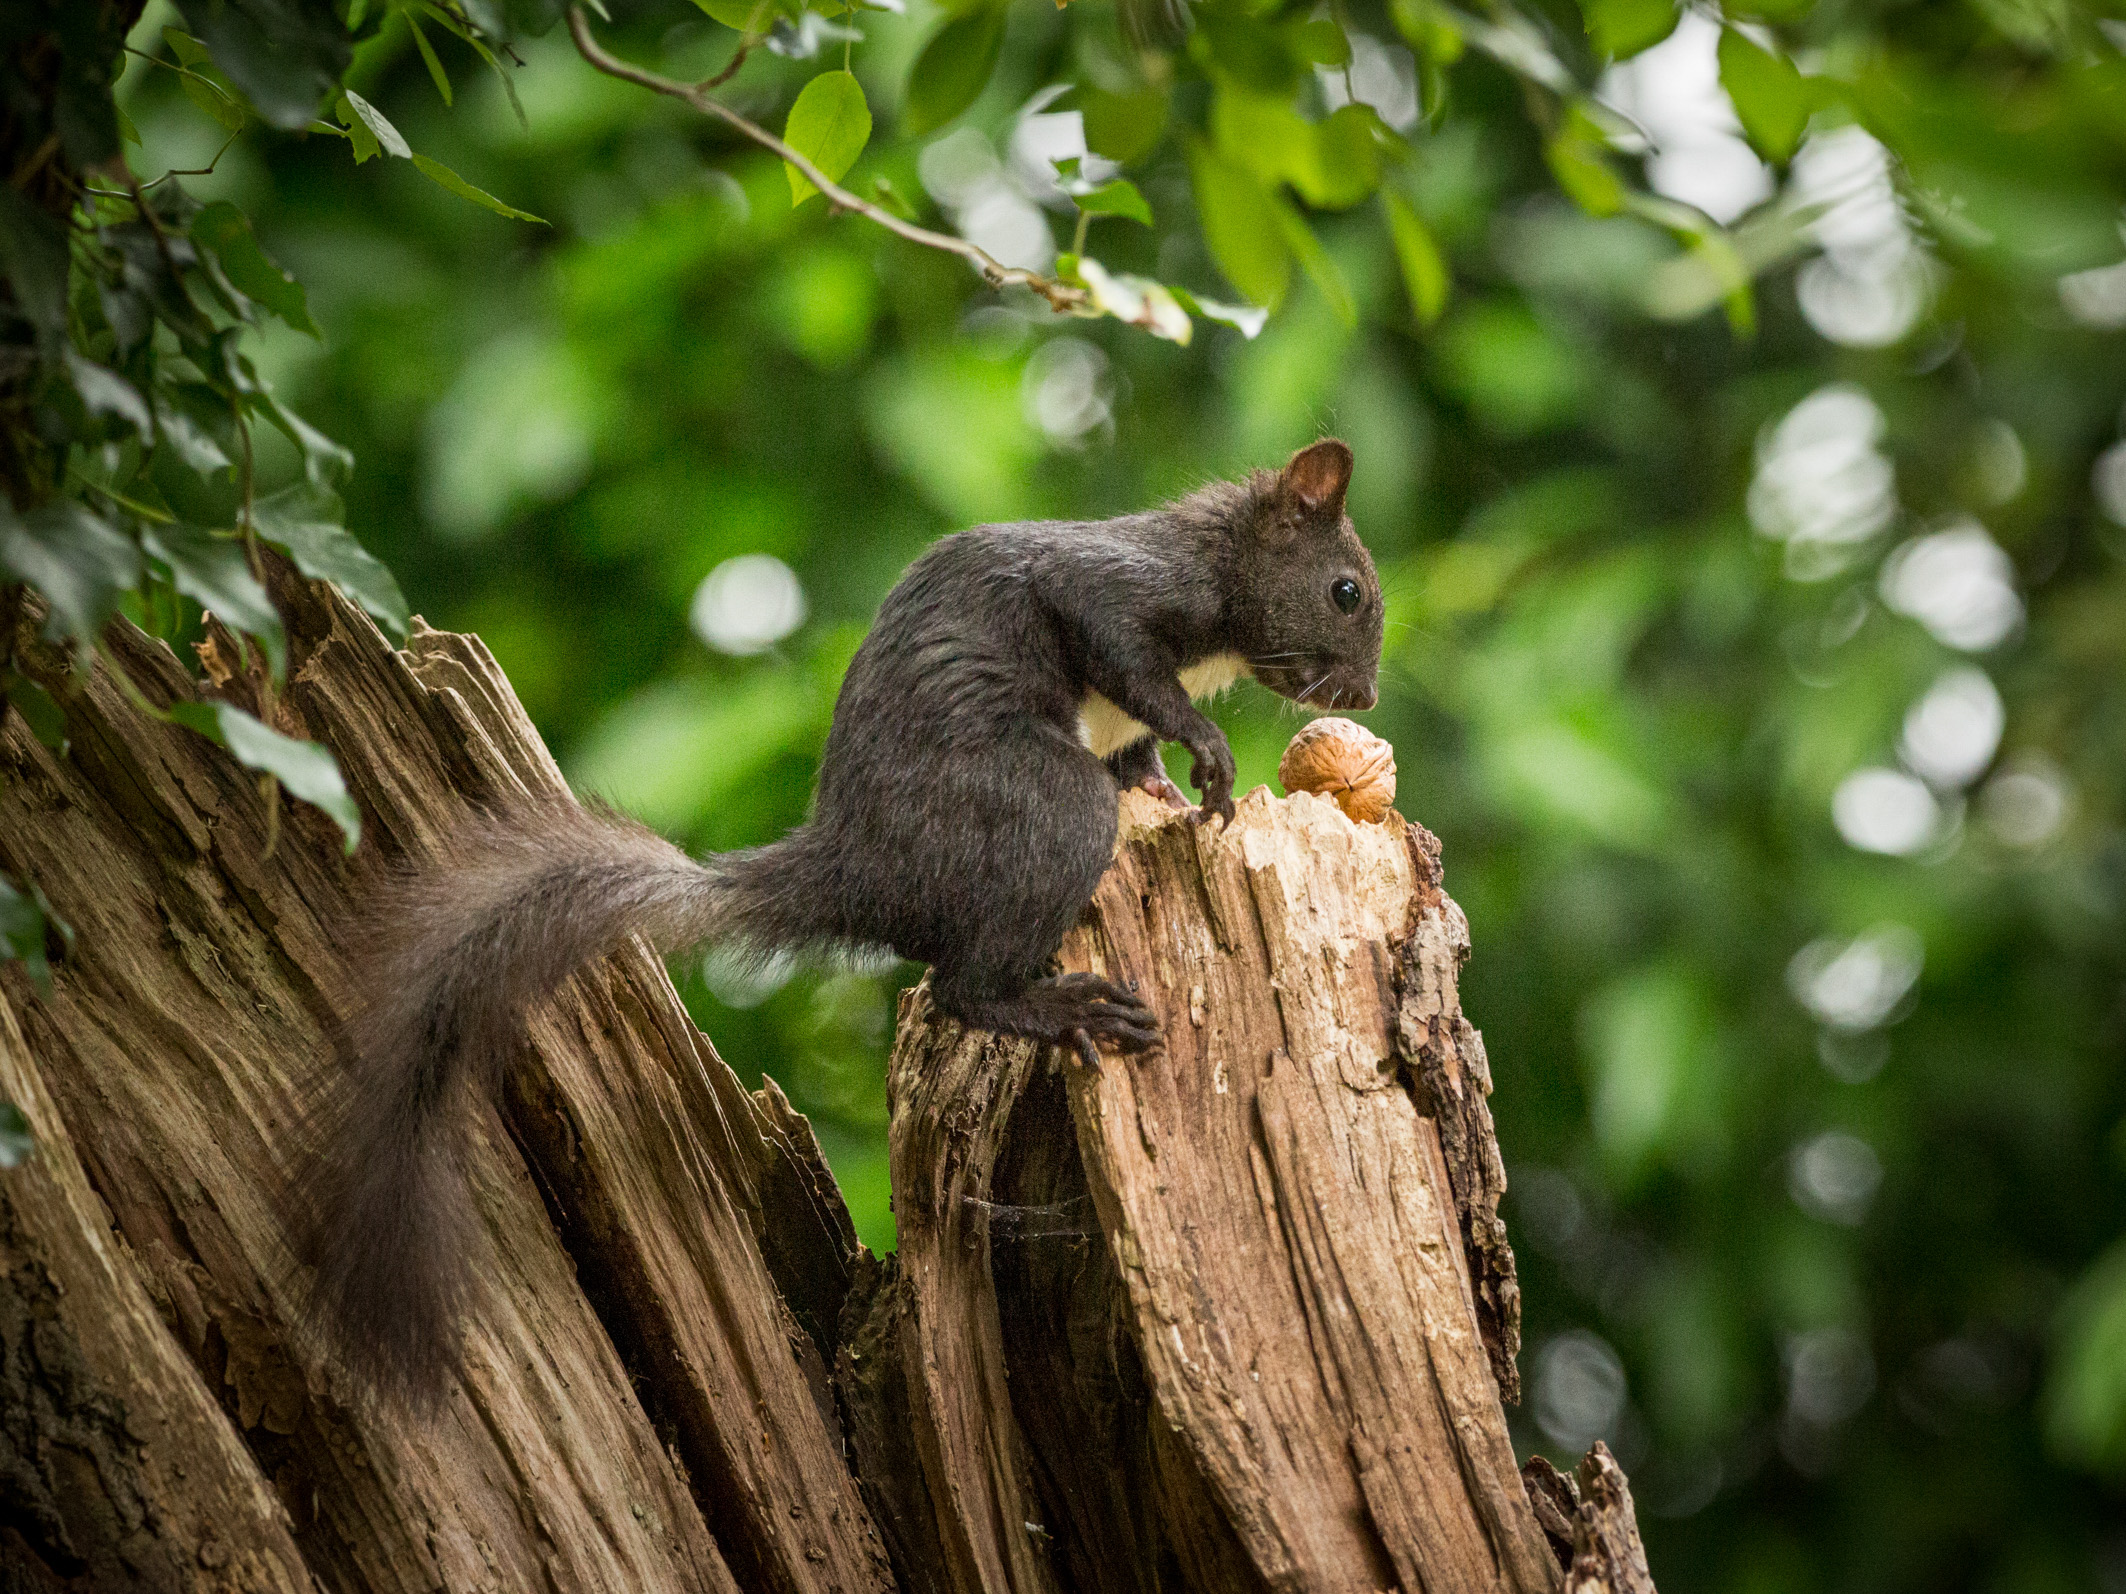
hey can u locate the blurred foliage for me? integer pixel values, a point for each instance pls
(1737, 401)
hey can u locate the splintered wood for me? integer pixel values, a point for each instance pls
(642, 1410)
(1237, 1315)
(1261, 1237)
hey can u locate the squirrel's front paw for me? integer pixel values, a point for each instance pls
(1213, 776)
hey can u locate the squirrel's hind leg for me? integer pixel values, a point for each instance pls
(1017, 901)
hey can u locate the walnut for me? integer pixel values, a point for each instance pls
(1344, 761)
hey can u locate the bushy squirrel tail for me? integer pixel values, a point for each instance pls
(447, 961)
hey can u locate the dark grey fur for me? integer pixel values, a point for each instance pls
(959, 821)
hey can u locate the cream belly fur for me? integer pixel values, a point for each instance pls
(1106, 729)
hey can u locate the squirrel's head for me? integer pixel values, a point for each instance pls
(1306, 603)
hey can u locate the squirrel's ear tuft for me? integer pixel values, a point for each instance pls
(1318, 475)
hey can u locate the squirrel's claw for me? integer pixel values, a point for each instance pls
(1221, 809)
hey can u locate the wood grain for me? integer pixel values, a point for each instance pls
(122, 1472)
(637, 1413)
(1277, 1241)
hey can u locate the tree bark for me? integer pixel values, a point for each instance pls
(637, 1412)
(1229, 1326)
(1236, 1315)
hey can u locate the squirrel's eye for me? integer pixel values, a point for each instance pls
(1345, 595)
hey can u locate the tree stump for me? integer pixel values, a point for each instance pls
(1242, 1307)
(1236, 1315)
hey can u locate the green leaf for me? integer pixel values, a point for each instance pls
(1240, 226)
(226, 232)
(534, 17)
(1425, 273)
(209, 96)
(435, 171)
(26, 925)
(187, 439)
(1265, 134)
(1322, 42)
(1333, 164)
(1715, 262)
(829, 125)
(371, 129)
(1432, 28)
(436, 74)
(1316, 262)
(952, 71)
(1346, 164)
(188, 50)
(1122, 127)
(1578, 158)
(45, 718)
(285, 56)
(1246, 318)
(1246, 52)
(16, 1143)
(324, 461)
(1621, 28)
(215, 101)
(1523, 48)
(750, 17)
(1116, 198)
(126, 129)
(78, 560)
(306, 769)
(1771, 97)
(211, 571)
(1771, 10)
(104, 392)
(363, 142)
(306, 522)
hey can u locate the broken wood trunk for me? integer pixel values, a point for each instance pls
(1237, 1315)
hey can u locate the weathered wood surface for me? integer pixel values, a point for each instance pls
(1234, 1316)
(1588, 1517)
(637, 1413)
(121, 1471)
(1257, 1306)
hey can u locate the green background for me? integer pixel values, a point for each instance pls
(1894, 1358)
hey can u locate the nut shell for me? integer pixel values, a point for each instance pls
(1344, 761)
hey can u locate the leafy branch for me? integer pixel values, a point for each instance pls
(1061, 296)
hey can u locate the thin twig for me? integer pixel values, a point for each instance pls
(269, 793)
(745, 48)
(1060, 296)
(182, 70)
(130, 505)
(127, 686)
(175, 171)
(147, 214)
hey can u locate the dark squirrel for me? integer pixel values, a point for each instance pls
(1014, 679)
